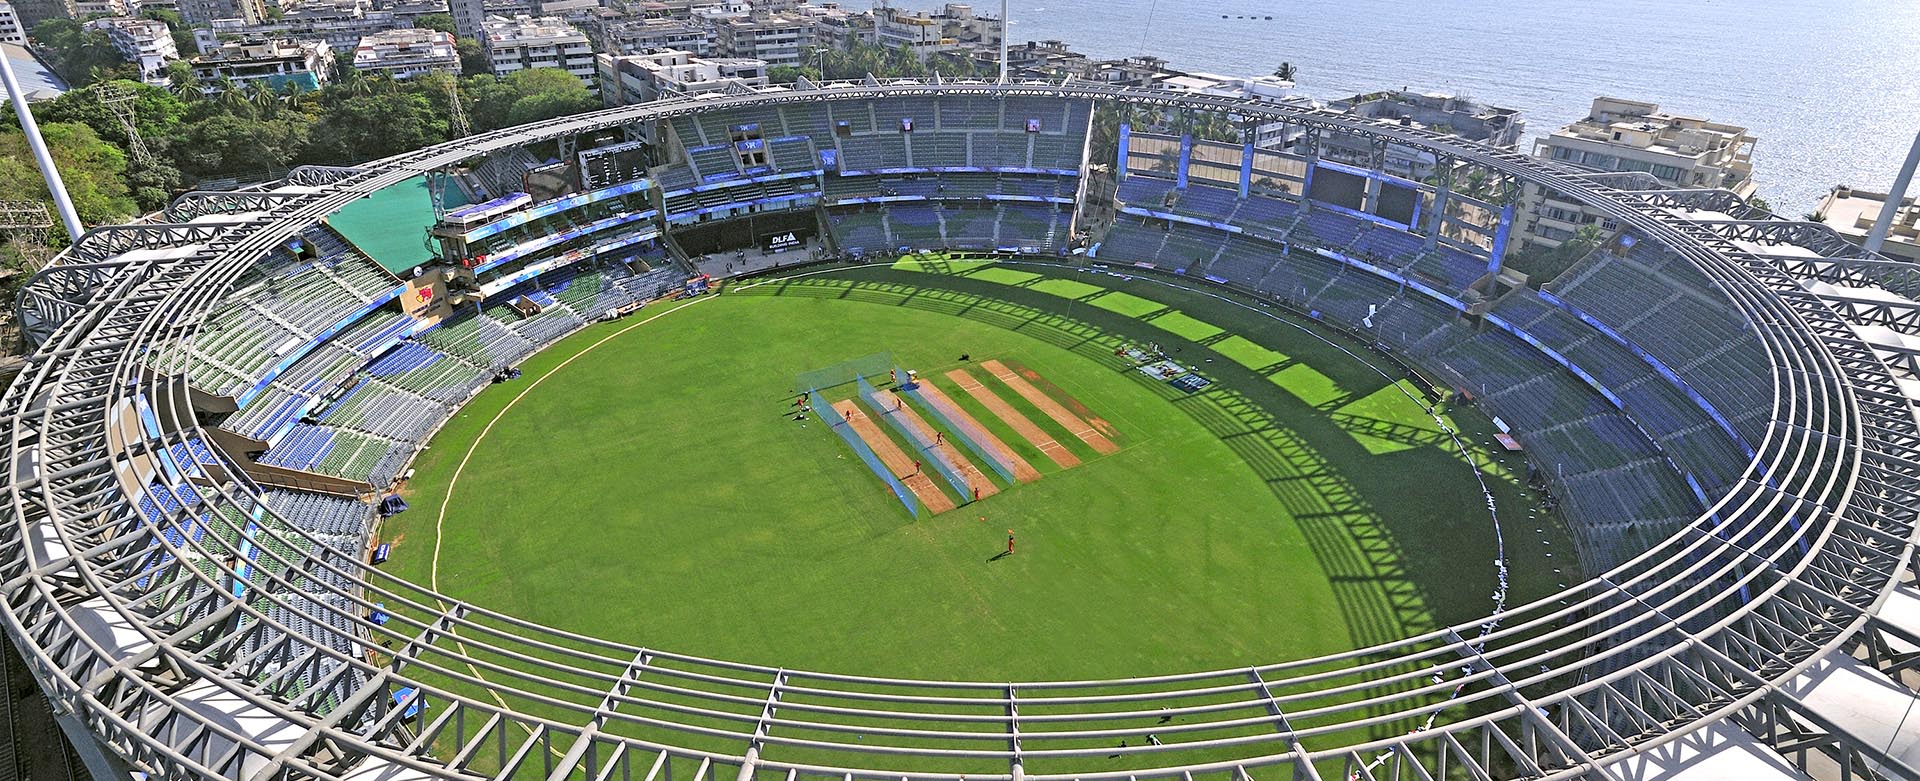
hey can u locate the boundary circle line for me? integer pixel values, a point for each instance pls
(439, 522)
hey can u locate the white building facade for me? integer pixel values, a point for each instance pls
(1636, 136)
(953, 28)
(280, 64)
(404, 54)
(643, 78)
(777, 38)
(526, 43)
(1851, 212)
(647, 35)
(11, 30)
(146, 43)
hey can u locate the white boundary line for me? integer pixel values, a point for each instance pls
(439, 522)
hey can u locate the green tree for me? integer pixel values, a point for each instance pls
(788, 74)
(157, 114)
(348, 81)
(441, 22)
(182, 83)
(93, 170)
(526, 96)
(1285, 72)
(231, 97)
(79, 55)
(473, 59)
(371, 126)
(226, 145)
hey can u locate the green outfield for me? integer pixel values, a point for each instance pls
(657, 491)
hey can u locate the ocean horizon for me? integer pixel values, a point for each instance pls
(1830, 87)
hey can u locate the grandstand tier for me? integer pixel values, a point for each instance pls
(1734, 458)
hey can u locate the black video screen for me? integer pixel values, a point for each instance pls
(1396, 204)
(1338, 188)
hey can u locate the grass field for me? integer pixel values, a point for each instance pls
(655, 491)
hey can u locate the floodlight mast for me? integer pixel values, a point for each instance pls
(1004, 23)
(1895, 195)
(48, 171)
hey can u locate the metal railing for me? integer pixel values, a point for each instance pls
(1785, 568)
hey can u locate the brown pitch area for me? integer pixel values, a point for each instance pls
(1018, 422)
(891, 457)
(936, 398)
(891, 404)
(1041, 401)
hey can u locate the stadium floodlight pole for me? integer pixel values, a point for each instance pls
(1004, 24)
(48, 171)
(1895, 194)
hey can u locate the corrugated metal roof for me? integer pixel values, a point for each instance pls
(36, 79)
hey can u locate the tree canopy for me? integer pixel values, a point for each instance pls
(525, 96)
(79, 55)
(247, 131)
(441, 22)
(94, 171)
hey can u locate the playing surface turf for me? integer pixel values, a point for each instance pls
(656, 490)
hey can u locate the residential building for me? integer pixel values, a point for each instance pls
(570, 10)
(203, 12)
(31, 13)
(469, 17)
(144, 42)
(508, 9)
(1632, 135)
(1143, 70)
(411, 10)
(341, 23)
(640, 36)
(279, 62)
(406, 53)
(1852, 212)
(1453, 115)
(526, 42)
(714, 12)
(953, 28)
(1266, 89)
(88, 9)
(777, 38)
(642, 78)
(1048, 59)
(835, 27)
(10, 29)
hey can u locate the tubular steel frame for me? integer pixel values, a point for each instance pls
(178, 676)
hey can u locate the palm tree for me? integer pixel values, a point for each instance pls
(186, 91)
(182, 83)
(263, 99)
(296, 96)
(1285, 72)
(230, 96)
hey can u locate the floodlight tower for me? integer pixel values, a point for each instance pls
(48, 171)
(120, 103)
(1895, 194)
(1004, 24)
